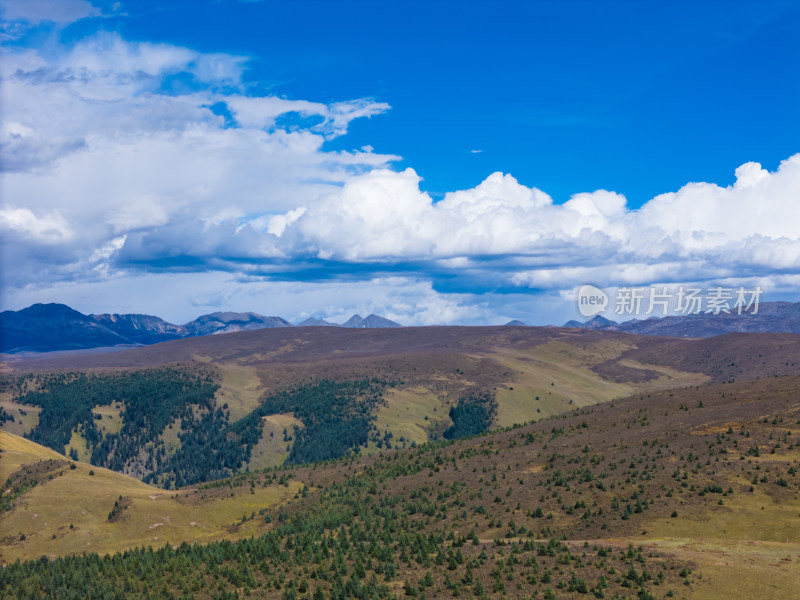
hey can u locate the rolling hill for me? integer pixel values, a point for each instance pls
(54, 506)
(683, 493)
(257, 398)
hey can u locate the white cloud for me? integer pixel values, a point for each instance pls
(703, 228)
(139, 212)
(277, 225)
(333, 118)
(181, 297)
(262, 112)
(340, 114)
(387, 216)
(94, 135)
(57, 11)
(50, 228)
(758, 203)
(107, 171)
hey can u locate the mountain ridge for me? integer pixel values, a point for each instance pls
(43, 327)
(57, 327)
(772, 317)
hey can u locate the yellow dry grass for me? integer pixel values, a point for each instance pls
(25, 417)
(78, 443)
(668, 377)
(69, 513)
(240, 390)
(170, 435)
(411, 413)
(111, 418)
(272, 450)
(18, 451)
(557, 376)
(752, 516)
(737, 568)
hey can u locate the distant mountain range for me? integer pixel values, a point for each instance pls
(50, 327)
(772, 317)
(355, 322)
(312, 322)
(370, 322)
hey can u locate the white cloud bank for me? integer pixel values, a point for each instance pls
(100, 136)
(120, 158)
(701, 231)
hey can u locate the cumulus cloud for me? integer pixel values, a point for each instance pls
(56, 11)
(181, 297)
(47, 229)
(98, 144)
(700, 230)
(124, 160)
(699, 211)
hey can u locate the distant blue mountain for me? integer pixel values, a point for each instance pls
(45, 327)
(370, 322)
(772, 317)
(141, 329)
(228, 322)
(50, 327)
(312, 322)
(354, 322)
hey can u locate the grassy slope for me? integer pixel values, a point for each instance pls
(435, 366)
(411, 414)
(560, 374)
(664, 447)
(78, 443)
(18, 451)
(240, 389)
(272, 450)
(153, 516)
(747, 547)
(23, 423)
(111, 418)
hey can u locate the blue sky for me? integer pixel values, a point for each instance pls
(636, 97)
(437, 162)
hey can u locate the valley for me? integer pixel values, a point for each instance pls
(527, 373)
(596, 463)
